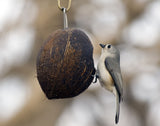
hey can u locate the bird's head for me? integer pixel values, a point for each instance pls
(108, 48)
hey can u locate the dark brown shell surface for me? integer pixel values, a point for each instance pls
(65, 66)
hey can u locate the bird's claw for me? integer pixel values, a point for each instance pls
(96, 77)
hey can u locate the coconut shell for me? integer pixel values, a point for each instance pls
(65, 66)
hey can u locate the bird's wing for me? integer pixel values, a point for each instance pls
(113, 66)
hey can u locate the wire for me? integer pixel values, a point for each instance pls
(67, 8)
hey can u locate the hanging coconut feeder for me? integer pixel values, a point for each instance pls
(65, 66)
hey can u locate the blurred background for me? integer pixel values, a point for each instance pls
(132, 25)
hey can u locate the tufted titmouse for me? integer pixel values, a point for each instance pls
(109, 73)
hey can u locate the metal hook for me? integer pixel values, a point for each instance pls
(61, 8)
(65, 18)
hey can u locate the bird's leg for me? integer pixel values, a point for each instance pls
(96, 77)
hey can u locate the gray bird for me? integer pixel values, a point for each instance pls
(109, 73)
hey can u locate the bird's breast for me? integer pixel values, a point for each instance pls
(105, 77)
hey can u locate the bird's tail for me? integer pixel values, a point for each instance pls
(118, 100)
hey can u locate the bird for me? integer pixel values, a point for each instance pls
(109, 74)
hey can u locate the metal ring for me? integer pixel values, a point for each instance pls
(61, 8)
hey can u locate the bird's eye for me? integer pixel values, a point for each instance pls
(109, 46)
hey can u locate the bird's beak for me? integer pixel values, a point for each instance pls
(102, 45)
